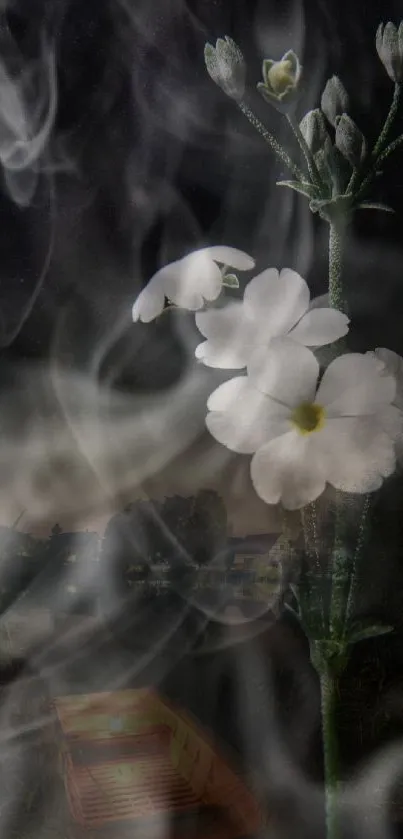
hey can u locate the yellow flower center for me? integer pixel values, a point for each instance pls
(281, 76)
(308, 417)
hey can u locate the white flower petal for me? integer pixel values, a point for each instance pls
(218, 356)
(150, 302)
(319, 327)
(227, 335)
(321, 302)
(232, 257)
(352, 386)
(226, 396)
(189, 280)
(286, 371)
(392, 364)
(277, 300)
(391, 421)
(285, 470)
(242, 418)
(355, 453)
(215, 322)
(246, 434)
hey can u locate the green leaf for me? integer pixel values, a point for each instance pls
(303, 187)
(364, 632)
(230, 281)
(374, 205)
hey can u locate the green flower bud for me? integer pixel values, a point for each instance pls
(389, 46)
(334, 100)
(226, 66)
(280, 80)
(313, 130)
(350, 140)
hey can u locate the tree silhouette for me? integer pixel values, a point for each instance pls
(182, 533)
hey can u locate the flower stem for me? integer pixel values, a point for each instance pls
(336, 298)
(309, 526)
(328, 694)
(310, 161)
(272, 142)
(362, 536)
(379, 145)
(362, 179)
(340, 565)
(390, 149)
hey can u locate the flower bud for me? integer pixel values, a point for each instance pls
(280, 80)
(313, 130)
(350, 140)
(226, 66)
(334, 100)
(389, 46)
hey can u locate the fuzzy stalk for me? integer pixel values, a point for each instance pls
(383, 137)
(271, 141)
(362, 178)
(336, 297)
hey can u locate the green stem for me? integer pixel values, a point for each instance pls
(388, 122)
(379, 153)
(336, 298)
(309, 526)
(355, 175)
(310, 160)
(390, 149)
(362, 536)
(272, 142)
(328, 693)
(340, 567)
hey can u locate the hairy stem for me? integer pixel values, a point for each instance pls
(336, 298)
(390, 149)
(382, 139)
(272, 142)
(362, 179)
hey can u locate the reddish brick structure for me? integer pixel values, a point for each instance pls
(131, 755)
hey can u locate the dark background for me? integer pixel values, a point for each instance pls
(160, 161)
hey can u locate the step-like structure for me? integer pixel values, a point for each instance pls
(132, 757)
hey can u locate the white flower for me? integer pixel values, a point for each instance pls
(190, 281)
(274, 304)
(391, 364)
(303, 436)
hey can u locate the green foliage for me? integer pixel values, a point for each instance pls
(230, 281)
(303, 187)
(341, 166)
(179, 533)
(362, 633)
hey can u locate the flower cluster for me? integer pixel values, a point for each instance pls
(304, 428)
